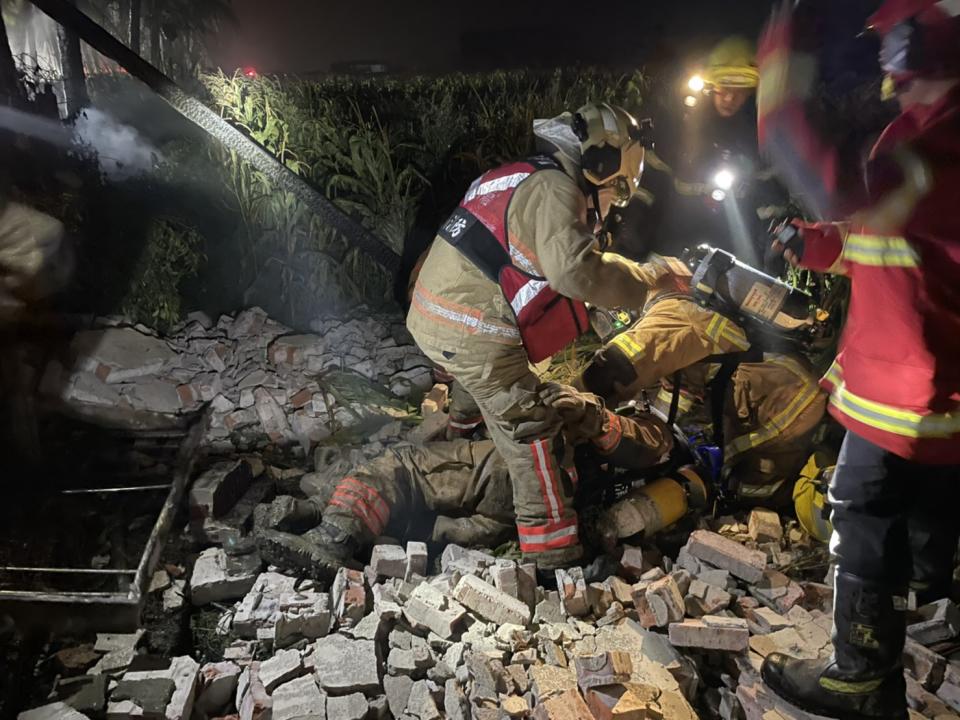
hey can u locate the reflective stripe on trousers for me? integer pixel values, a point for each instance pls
(782, 420)
(538, 538)
(364, 502)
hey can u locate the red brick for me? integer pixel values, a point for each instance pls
(301, 398)
(717, 550)
(711, 633)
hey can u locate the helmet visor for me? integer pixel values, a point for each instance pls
(627, 183)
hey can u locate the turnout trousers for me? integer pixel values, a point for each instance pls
(527, 434)
(895, 521)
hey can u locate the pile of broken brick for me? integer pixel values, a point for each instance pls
(472, 635)
(262, 380)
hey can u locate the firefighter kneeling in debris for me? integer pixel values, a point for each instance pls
(462, 489)
(504, 286)
(765, 405)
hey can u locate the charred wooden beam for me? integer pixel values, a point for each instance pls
(194, 110)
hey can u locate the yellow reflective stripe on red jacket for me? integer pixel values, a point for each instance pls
(887, 417)
(451, 313)
(879, 251)
(783, 419)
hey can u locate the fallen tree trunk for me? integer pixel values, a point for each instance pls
(199, 114)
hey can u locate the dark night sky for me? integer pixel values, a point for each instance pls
(438, 35)
(435, 36)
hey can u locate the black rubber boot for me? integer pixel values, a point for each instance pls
(317, 554)
(864, 678)
(288, 514)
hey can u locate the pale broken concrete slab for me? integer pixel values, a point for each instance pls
(344, 666)
(429, 608)
(711, 632)
(184, 671)
(53, 711)
(118, 355)
(490, 603)
(727, 554)
(213, 581)
(299, 699)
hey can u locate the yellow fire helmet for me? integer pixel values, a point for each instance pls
(611, 148)
(733, 63)
(810, 498)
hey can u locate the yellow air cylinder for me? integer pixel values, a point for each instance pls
(657, 505)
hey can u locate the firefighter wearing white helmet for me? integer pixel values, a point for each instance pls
(504, 286)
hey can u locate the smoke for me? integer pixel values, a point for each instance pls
(120, 150)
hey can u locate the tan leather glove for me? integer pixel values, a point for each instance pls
(566, 400)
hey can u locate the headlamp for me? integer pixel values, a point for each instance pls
(724, 179)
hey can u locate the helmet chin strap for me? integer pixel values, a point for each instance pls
(595, 196)
(602, 232)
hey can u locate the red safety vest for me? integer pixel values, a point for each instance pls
(547, 320)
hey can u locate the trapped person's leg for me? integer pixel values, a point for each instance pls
(358, 510)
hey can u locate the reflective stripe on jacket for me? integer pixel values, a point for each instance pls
(458, 308)
(546, 320)
(896, 380)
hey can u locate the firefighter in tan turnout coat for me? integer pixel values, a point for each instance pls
(504, 286)
(771, 404)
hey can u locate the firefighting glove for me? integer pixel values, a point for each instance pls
(787, 244)
(565, 400)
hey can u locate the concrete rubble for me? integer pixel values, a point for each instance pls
(426, 632)
(679, 637)
(266, 383)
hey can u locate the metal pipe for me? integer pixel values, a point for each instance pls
(196, 112)
(183, 469)
(69, 597)
(73, 571)
(132, 488)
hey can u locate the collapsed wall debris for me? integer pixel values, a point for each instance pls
(424, 632)
(474, 635)
(266, 384)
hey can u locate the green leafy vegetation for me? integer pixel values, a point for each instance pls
(172, 252)
(395, 153)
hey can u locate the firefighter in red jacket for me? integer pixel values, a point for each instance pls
(895, 384)
(504, 287)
